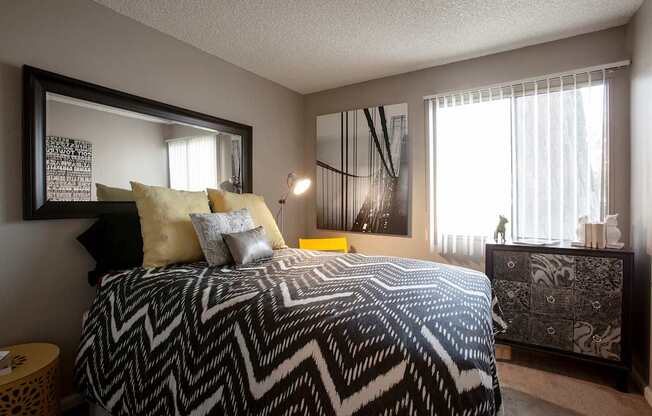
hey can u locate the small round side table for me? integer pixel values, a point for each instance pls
(32, 387)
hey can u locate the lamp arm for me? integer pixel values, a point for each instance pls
(282, 203)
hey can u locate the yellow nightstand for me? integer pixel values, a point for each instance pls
(32, 388)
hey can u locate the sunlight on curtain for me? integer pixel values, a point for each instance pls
(536, 152)
(193, 163)
(472, 171)
(559, 146)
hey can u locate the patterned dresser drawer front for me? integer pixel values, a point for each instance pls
(597, 339)
(598, 274)
(552, 302)
(518, 326)
(552, 270)
(509, 265)
(598, 306)
(551, 332)
(512, 296)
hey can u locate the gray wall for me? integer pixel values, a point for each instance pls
(124, 148)
(640, 37)
(568, 54)
(43, 288)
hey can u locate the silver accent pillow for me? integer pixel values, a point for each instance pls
(249, 246)
(211, 227)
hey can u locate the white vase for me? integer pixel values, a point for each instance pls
(613, 233)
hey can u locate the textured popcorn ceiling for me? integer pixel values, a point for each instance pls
(312, 45)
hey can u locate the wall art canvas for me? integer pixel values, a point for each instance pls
(362, 172)
(69, 169)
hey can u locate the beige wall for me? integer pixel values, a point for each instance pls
(568, 54)
(43, 288)
(640, 36)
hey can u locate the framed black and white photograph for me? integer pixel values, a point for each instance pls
(362, 172)
(69, 167)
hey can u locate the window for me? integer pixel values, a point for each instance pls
(535, 152)
(193, 163)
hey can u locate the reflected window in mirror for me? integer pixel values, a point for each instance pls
(203, 160)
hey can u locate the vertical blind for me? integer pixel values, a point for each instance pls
(534, 151)
(193, 163)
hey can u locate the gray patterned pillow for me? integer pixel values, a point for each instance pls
(211, 227)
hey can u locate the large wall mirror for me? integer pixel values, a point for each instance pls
(85, 143)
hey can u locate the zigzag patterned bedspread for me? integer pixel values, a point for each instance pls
(304, 333)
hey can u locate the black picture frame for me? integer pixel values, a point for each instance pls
(38, 82)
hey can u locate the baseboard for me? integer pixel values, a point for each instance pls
(639, 382)
(71, 401)
(648, 395)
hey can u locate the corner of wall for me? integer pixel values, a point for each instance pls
(639, 37)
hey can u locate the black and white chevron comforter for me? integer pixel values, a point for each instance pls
(304, 333)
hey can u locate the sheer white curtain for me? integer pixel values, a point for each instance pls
(560, 151)
(535, 152)
(193, 163)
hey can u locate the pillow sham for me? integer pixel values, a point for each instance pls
(168, 234)
(222, 201)
(249, 246)
(211, 227)
(115, 243)
(109, 193)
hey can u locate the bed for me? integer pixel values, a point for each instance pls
(302, 333)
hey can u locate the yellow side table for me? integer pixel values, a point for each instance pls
(32, 387)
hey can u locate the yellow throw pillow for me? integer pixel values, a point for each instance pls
(109, 193)
(168, 234)
(222, 201)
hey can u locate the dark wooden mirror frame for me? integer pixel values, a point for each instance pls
(38, 82)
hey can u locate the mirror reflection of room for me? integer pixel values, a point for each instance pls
(93, 151)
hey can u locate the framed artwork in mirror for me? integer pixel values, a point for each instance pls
(84, 144)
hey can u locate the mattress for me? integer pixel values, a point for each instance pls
(304, 333)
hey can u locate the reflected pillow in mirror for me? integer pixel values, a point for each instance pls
(211, 227)
(249, 246)
(109, 193)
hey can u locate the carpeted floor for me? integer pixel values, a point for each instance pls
(522, 404)
(532, 392)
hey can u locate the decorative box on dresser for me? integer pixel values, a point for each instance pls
(568, 301)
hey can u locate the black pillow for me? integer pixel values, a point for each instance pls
(115, 243)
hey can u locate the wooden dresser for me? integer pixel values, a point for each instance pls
(568, 301)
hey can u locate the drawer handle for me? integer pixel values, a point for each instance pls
(511, 264)
(510, 294)
(550, 299)
(597, 339)
(596, 305)
(550, 330)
